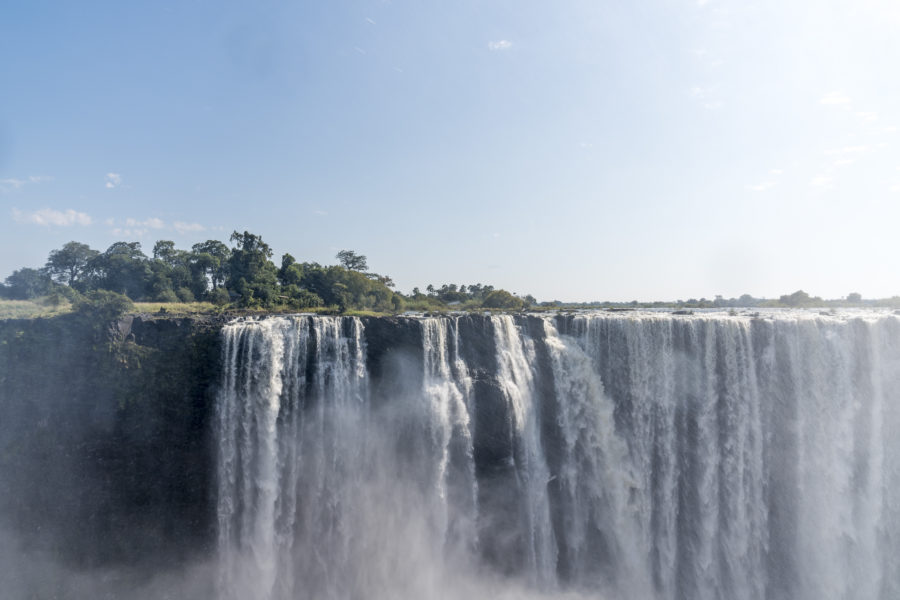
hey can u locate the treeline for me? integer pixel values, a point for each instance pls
(798, 299)
(242, 275)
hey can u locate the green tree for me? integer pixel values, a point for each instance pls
(103, 305)
(250, 272)
(854, 297)
(210, 258)
(165, 251)
(502, 299)
(26, 283)
(798, 298)
(352, 261)
(70, 263)
(124, 269)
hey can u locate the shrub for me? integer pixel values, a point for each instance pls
(502, 299)
(103, 305)
(219, 296)
(166, 296)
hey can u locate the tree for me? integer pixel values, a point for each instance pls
(250, 272)
(123, 268)
(352, 261)
(102, 306)
(70, 263)
(854, 297)
(502, 299)
(211, 259)
(798, 298)
(26, 283)
(165, 251)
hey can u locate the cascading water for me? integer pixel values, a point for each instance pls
(636, 456)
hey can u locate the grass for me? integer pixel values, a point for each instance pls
(177, 308)
(31, 309)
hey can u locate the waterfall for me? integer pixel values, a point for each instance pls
(614, 456)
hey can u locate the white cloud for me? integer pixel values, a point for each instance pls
(867, 116)
(12, 183)
(843, 162)
(776, 171)
(48, 217)
(762, 187)
(370, 21)
(151, 223)
(182, 227)
(896, 189)
(834, 99)
(129, 233)
(499, 45)
(15, 183)
(113, 180)
(320, 213)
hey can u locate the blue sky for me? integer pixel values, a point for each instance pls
(575, 150)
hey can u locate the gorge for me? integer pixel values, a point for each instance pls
(592, 455)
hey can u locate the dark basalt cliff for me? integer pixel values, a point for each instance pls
(105, 437)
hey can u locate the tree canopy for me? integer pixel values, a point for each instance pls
(241, 275)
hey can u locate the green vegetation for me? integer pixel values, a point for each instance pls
(212, 277)
(30, 309)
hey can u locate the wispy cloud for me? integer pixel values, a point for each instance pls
(867, 116)
(499, 45)
(151, 223)
(129, 232)
(320, 213)
(183, 227)
(835, 99)
(370, 21)
(49, 217)
(141, 227)
(14, 183)
(896, 189)
(113, 180)
(763, 186)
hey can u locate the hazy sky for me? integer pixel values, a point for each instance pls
(579, 150)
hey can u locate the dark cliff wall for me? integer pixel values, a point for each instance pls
(105, 436)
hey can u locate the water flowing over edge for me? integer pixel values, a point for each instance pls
(597, 455)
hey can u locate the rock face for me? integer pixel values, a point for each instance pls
(104, 438)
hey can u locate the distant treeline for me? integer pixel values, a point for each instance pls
(242, 275)
(798, 299)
